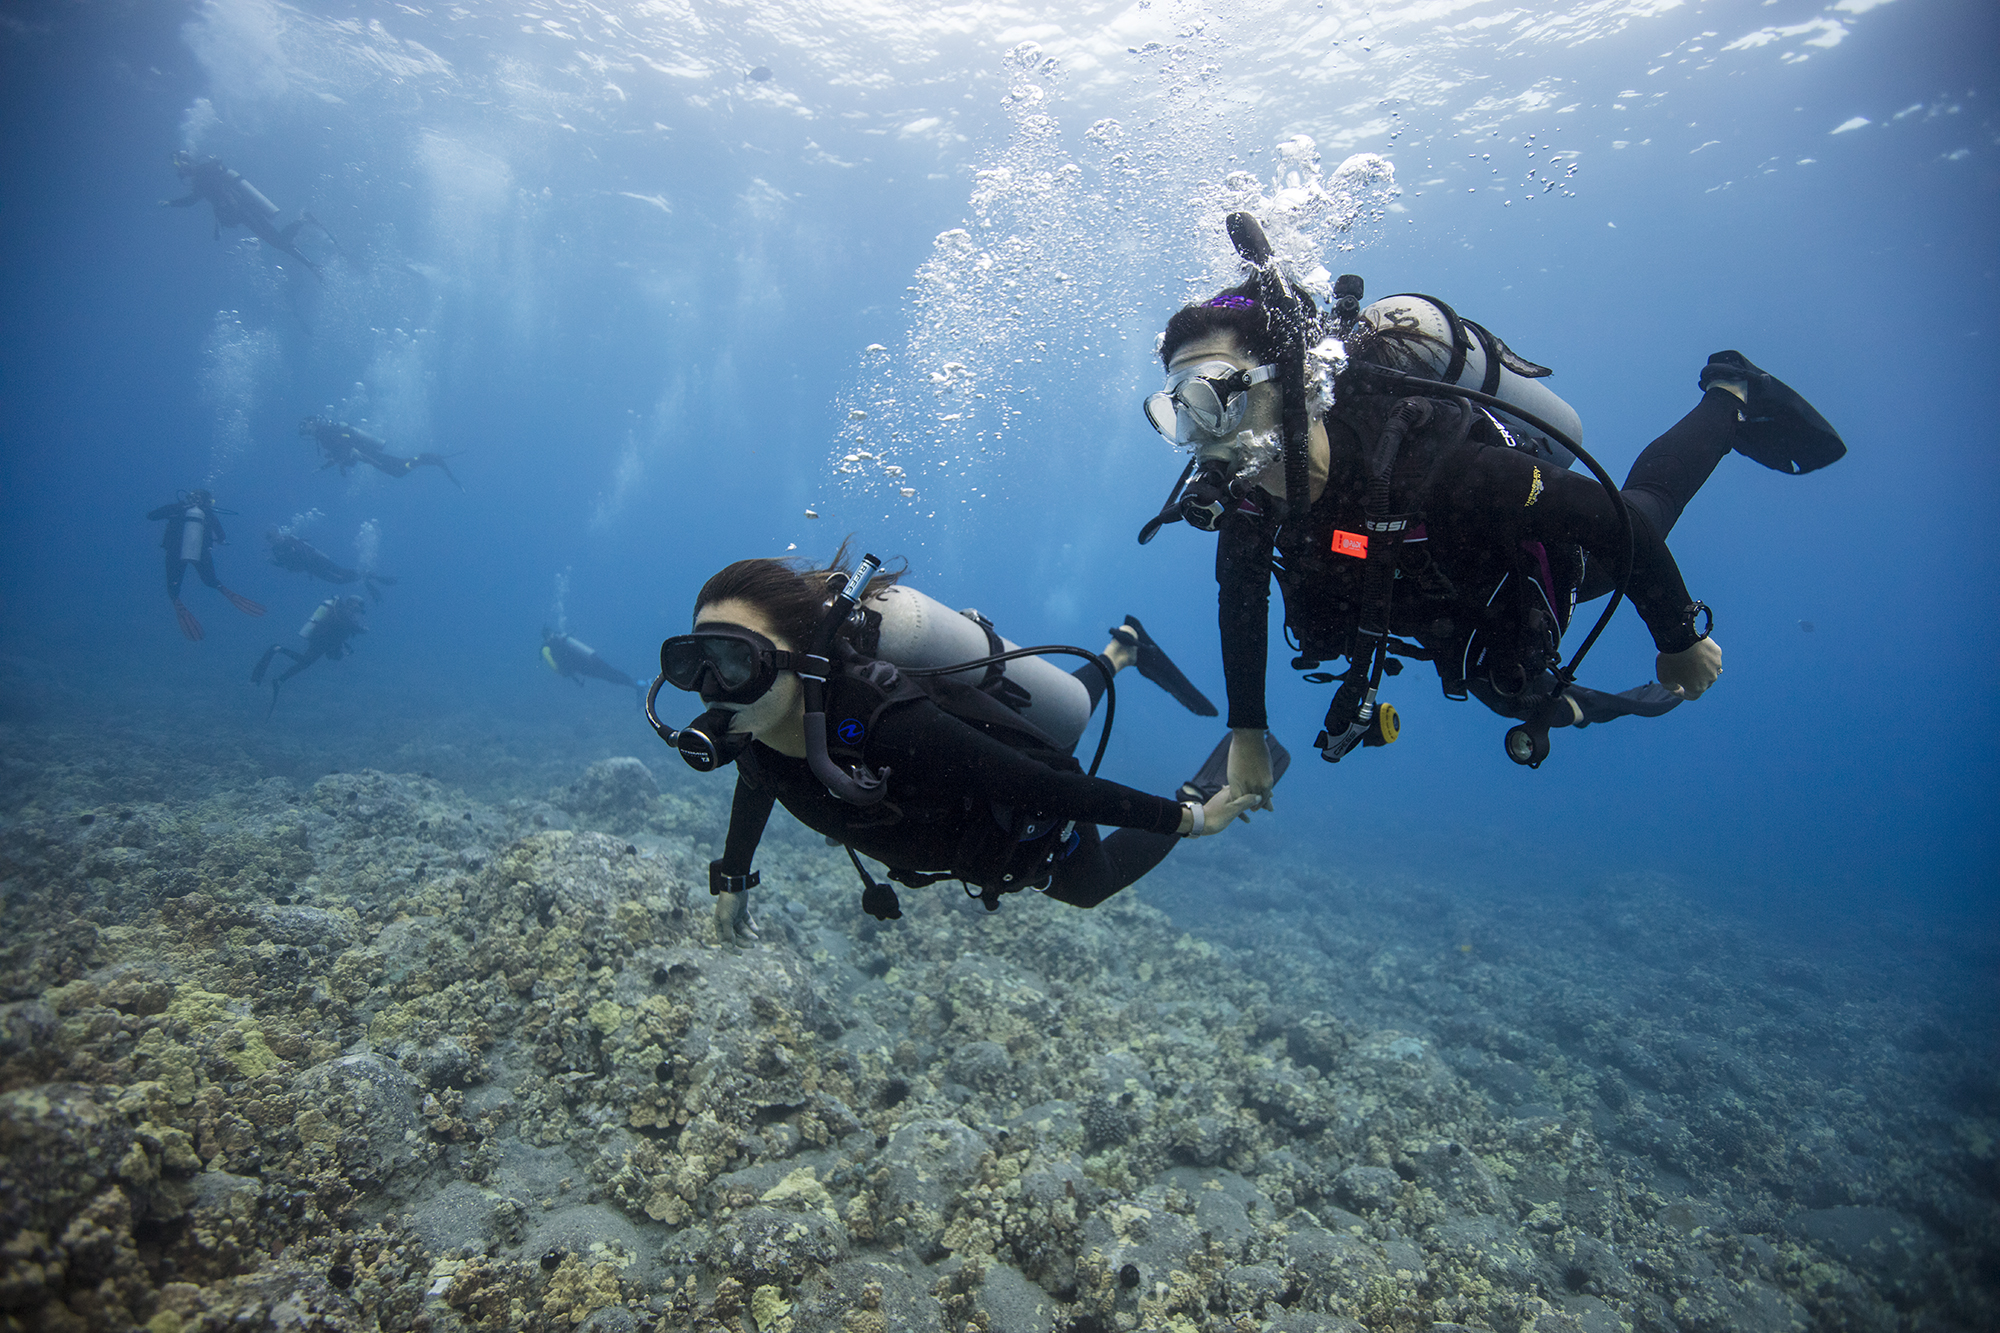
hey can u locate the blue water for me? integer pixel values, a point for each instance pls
(632, 289)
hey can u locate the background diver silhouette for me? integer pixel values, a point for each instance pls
(302, 557)
(344, 446)
(336, 620)
(569, 656)
(238, 203)
(193, 530)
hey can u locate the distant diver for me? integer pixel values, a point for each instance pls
(193, 530)
(301, 557)
(1410, 493)
(336, 620)
(899, 729)
(343, 446)
(569, 656)
(238, 203)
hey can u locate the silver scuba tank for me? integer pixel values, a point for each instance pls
(919, 631)
(194, 533)
(1458, 351)
(319, 618)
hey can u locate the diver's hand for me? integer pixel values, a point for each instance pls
(1692, 670)
(732, 919)
(1216, 813)
(1250, 767)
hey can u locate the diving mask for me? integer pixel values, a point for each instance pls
(723, 663)
(1204, 401)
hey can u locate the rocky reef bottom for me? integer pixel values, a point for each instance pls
(365, 1051)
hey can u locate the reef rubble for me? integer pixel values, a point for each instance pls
(367, 1053)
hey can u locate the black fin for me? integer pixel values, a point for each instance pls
(263, 665)
(1776, 426)
(1154, 664)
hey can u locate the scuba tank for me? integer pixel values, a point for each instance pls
(319, 617)
(913, 631)
(194, 533)
(1457, 352)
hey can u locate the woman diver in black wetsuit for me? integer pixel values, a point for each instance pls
(918, 778)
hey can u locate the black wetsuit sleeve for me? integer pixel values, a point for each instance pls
(166, 510)
(1499, 486)
(748, 813)
(929, 750)
(1243, 613)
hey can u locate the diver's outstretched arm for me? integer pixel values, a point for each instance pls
(185, 201)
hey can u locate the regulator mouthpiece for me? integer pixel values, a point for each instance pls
(1207, 496)
(706, 743)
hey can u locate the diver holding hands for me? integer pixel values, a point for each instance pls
(1403, 475)
(937, 766)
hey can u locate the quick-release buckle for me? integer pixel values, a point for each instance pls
(719, 883)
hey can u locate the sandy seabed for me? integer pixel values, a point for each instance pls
(424, 1024)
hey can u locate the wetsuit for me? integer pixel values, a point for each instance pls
(572, 657)
(238, 203)
(336, 620)
(1494, 523)
(346, 445)
(192, 532)
(302, 557)
(961, 802)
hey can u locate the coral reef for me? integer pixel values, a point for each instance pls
(367, 1051)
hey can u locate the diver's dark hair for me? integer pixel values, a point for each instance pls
(792, 593)
(1234, 310)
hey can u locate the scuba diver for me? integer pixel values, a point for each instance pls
(345, 445)
(850, 699)
(1405, 514)
(193, 530)
(238, 203)
(302, 557)
(336, 620)
(572, 657)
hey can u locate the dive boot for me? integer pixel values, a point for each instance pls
(1775, 426)
(1214, 773)
(1154, 664)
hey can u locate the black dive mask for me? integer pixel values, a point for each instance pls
(723, 663)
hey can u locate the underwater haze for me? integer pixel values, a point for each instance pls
(665, 285)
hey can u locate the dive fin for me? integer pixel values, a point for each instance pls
(1213, 775)
(1776, 427)
(189, 625)
(437, 461)
(263, 665)
(242, 603)
(1156, 666)
(1649, 700)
